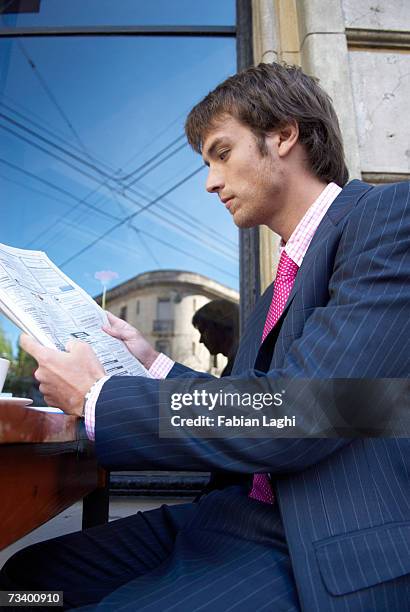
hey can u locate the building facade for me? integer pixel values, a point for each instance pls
(161, 305)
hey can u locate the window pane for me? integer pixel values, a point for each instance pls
(164, 308)
(123, 12)
(94, 165)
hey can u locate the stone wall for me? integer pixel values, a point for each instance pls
(360, 52)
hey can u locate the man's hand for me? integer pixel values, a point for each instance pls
(64, 378)
(135, 342)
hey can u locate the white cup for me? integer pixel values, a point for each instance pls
(4, 366)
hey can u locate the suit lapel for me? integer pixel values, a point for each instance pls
(342, 205)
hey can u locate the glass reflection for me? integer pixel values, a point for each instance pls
(127, 12)
(94, 166)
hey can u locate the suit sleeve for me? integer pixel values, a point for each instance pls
(179, 370)
(363, 331)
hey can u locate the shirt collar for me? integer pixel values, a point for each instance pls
(298, 243)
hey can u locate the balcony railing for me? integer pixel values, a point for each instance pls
(163, 326)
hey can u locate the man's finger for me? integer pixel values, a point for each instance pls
(109, 331)
(74, 345)
(31, 346)
(70, 345)
(111, 317)
(80, 349)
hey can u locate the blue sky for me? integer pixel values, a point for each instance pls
(97, 109)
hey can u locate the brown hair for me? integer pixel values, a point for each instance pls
(221, 313)
(267, 97)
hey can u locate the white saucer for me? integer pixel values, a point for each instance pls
(46, 409)
(20, 401)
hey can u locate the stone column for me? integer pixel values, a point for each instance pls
(324, 54)
(266, 49)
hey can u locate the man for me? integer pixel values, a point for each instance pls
(325, 523)
(218, 325)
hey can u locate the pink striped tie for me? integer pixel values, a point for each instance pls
(285, 277)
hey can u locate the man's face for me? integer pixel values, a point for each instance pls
(247, 182)
(209, 337)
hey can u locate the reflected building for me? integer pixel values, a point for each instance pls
(161, 305)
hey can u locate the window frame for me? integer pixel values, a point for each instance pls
(249, 265)
(249, 251)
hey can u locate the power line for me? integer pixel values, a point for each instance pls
(156, 165)
(45, 129)
(154, 139)
(211, 232)
(61, 111)
(111, 216)
(183, 214)
(96, 209)
(121, 221)
(144, 244)
(77, 137)
(59, 108)
(50, 143)
(141, 233)
(43, 193)
(175, 225)
(47, 141)
(124, 177)
(167, 244)
(37, 178)
(188, 253)
(132, 216)
(49, 184)
(39, 126)
(154, 157)
(39, 147)
(111, 177)
(51, 96)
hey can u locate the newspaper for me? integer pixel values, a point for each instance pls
(43, 302)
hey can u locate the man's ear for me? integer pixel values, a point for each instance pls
(288, 136)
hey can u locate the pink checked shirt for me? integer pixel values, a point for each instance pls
(296, 248)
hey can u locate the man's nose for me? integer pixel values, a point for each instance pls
(214, 181)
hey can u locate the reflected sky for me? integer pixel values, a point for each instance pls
(94, 167)
(124, 12)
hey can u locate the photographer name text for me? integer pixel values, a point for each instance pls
(232, 421)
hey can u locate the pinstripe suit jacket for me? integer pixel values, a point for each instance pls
(345, 504)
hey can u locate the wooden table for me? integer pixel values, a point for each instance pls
(46, 465)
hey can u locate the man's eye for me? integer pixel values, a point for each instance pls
(223, 154)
